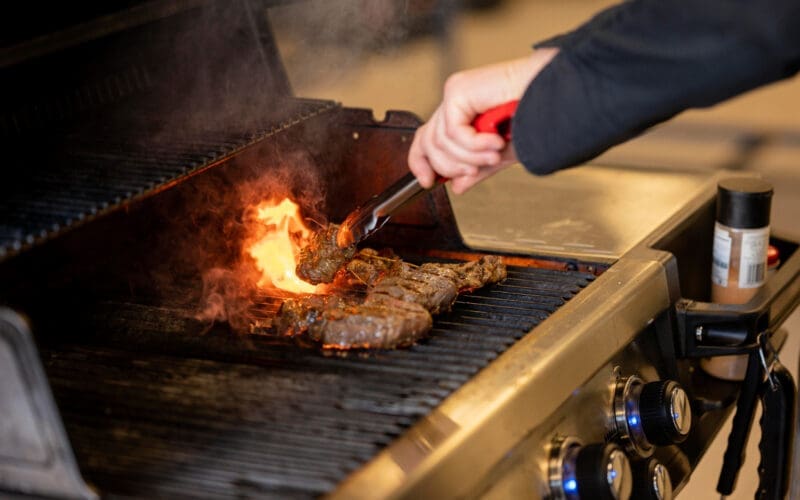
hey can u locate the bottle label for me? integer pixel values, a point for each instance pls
(721, 256)
(753, 261)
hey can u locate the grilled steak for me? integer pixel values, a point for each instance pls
(377, 323)
(400, 298)
(369, 266)
(320, 260)
(470, 275)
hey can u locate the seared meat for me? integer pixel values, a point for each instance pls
(434, 293)
(321, 259)
(379, 322)
(470, 275)
(296, 316)
(369, 266)
(398, 305)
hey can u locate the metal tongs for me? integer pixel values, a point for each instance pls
(372, 215)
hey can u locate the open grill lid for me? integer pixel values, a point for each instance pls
(109, 107)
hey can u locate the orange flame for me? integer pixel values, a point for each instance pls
(276, 252)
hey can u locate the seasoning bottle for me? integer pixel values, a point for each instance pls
(739, 266)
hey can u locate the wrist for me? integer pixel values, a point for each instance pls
(530, 66)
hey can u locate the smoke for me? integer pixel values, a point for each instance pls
(224, 83)
(223, 225)
(323, 40)
(226, 299)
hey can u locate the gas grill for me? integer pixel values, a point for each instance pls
(128, 182)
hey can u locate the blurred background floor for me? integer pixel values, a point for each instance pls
(395, 54)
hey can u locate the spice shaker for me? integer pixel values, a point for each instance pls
(739, 266)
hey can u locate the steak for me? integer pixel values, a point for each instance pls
(321, 259)
(379, 322)
(470, 275)
(397, 308)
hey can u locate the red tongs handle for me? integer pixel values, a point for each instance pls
(497, 120)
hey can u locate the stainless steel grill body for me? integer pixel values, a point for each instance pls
(124, 190)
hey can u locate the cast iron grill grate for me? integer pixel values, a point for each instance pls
(170, 413)
(52, 187)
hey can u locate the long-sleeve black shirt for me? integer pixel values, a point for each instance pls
(642, 62)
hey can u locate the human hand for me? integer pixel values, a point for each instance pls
(449, 146)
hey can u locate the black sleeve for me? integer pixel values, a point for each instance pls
(644, 61)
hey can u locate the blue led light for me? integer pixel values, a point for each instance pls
(570, 486)
(633, 420)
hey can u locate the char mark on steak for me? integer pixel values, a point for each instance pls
(376, 323)
(396, 311)
(322, 258)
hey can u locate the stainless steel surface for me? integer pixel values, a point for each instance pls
(593, 213)
(618, 475)
(35, 455)
(627, 417)
(561, 466)
(680, 411)
(662, 486)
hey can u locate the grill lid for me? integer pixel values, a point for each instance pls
(111, 106)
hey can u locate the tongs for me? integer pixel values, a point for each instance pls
(372, 215)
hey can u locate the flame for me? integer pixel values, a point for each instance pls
(276, 251)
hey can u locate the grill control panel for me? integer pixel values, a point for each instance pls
(643, 416)
(620, 435)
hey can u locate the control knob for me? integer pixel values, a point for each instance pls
(651, 481)
(648, 414)
(593, 472)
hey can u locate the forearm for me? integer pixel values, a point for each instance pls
(642, 62)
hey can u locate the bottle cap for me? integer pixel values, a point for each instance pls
(773, 255)
(744, 202)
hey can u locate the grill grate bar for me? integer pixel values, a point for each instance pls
(86, 172)
(212, 417)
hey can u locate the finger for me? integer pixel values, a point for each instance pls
(418, 162)
(458, 154)
(463, 184)
(446, 166)
(457, 127)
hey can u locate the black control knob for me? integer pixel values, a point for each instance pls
(666, 412)
(651, 481)
(592, 472)
(645, 415)
(603, 472)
